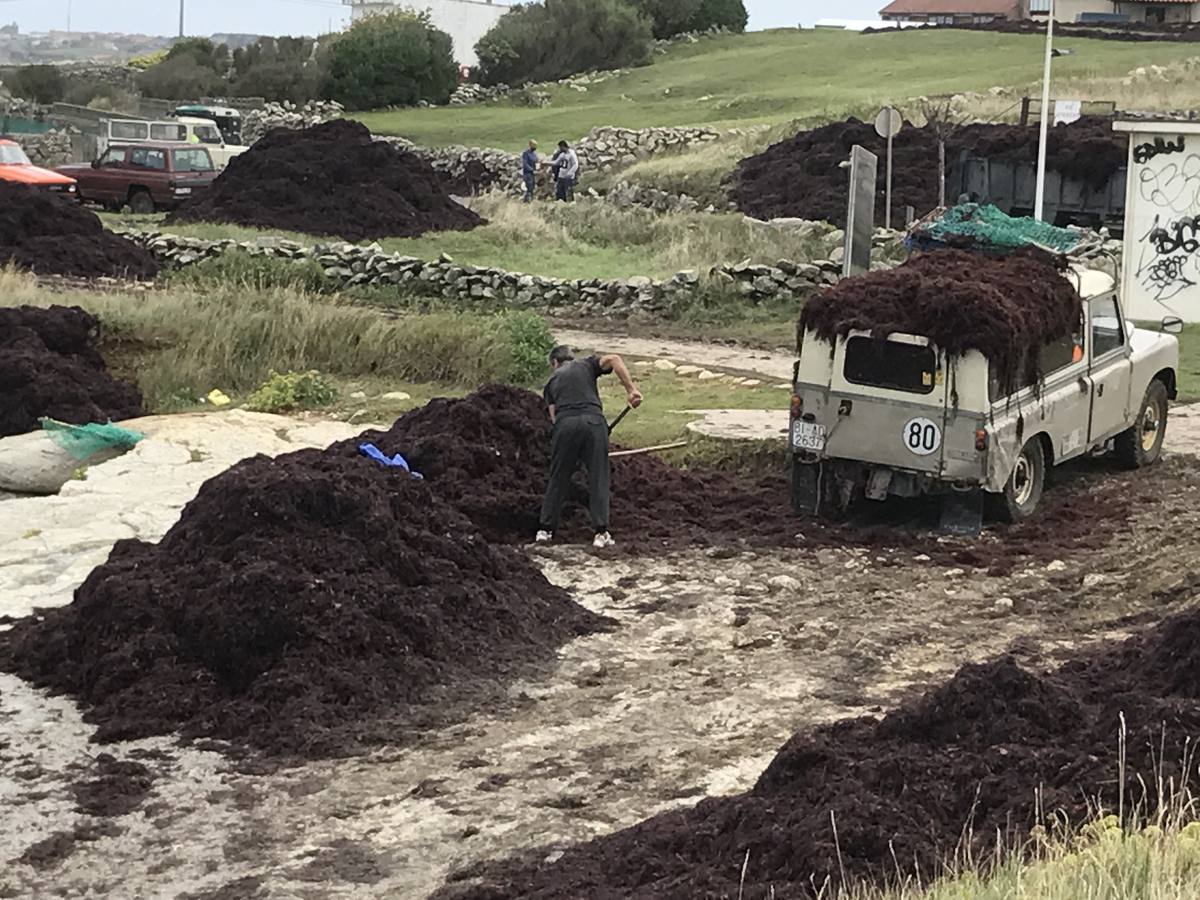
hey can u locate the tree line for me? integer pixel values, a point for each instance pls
(400, 58)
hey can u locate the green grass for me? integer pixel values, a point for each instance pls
(774, 77)
(1189, 364)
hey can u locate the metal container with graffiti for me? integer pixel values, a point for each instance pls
(1161, 270)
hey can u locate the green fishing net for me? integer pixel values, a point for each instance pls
(85, 441)
(984, 227)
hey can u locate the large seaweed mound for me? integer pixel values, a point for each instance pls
(49, 366)
(987, 755)
(330, 179)
(51, 235)
(301, 605)
(803, 176)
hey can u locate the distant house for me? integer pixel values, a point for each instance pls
(954, 12)
(1099, 11)
(967, 12)
(1158, 11)
(466, 21)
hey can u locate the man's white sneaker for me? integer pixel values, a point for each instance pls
(544, 536)
(602, 540)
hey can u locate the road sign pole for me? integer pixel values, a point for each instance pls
(1040, 192)
(887, 210)
(887, 125)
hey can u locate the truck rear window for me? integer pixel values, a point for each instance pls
(890, 364)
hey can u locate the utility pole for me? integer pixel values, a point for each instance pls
(68, 16)
(181, 19)
(1040, 195)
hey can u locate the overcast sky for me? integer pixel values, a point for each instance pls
(309, 16)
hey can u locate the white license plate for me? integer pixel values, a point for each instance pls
(808, 436)
(183, 190)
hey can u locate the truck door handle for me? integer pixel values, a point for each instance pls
(1100, 390)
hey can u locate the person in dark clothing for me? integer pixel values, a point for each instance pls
(580, 435)
(529, 164)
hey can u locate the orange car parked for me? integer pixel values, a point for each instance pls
(15, 166)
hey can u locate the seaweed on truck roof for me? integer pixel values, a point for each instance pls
(1006, 307)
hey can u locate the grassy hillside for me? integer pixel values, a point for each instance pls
(774, 77)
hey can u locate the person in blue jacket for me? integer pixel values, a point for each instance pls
(529, 164)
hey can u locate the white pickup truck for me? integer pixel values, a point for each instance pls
(897, 417)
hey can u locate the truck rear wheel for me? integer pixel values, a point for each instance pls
(141, 203)
(1141, 444)
(1023, 490)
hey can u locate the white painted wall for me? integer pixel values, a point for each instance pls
(1161, 265)
(466, 21)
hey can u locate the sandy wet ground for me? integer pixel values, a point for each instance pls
(719, 657)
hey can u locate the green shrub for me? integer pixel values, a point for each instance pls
(239, 269)
(529, 341)
(179, 78)
(551, 40)
(193, 68)
(291, 391)
(728, 14)
(668, 17)
(41, 84)
(395, 59)
(279, 69)
(671, 17)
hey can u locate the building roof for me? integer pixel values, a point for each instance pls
(949, 7)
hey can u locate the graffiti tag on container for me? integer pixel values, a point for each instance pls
(1179, 235)
(1174, 187)
(1167, 263)
(1143, 153)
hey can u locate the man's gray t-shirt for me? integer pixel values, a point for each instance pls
(572, 391)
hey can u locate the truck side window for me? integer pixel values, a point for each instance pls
(146, 158)
(112, 158)
(1107, 334)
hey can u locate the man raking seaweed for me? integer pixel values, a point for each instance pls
(580, 436)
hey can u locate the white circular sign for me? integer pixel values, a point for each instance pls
(921, 436)
(888, 122)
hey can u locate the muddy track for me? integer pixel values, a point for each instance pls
(719, 657)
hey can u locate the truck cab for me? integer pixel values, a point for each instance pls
(878, 416)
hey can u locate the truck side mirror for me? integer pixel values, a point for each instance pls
(95, 163)
(1172, 324)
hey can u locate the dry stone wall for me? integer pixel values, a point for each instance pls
(257, 122)
(606, 148)
(485, 287)
(48, 150)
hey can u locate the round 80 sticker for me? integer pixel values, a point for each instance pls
(921, 436)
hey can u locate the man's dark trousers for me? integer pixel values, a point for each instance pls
(578, 439)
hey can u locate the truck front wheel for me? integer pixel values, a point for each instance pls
(141, 203)
(1141, 444)
(1023, 490)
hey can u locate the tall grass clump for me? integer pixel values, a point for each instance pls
(228, 337)
(239, 269)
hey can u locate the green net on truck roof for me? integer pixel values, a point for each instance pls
(985, 227)
(83, 442)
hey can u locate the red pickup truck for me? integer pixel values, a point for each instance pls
(145, 177)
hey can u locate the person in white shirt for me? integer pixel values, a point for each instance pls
(567, 164)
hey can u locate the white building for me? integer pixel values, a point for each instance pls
(466, 21)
